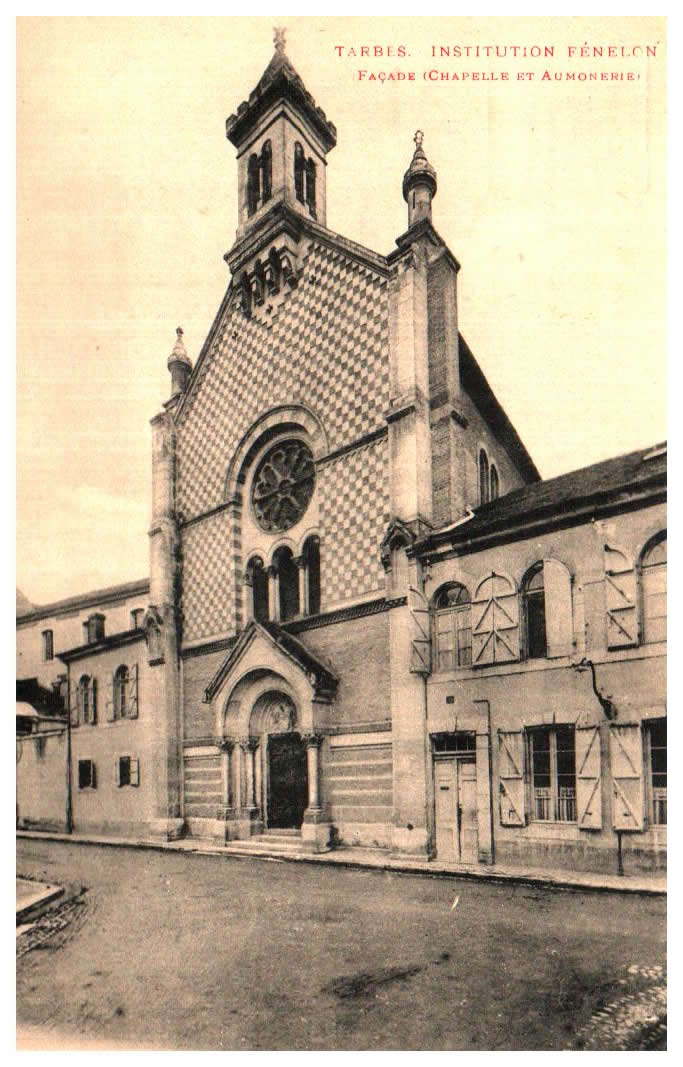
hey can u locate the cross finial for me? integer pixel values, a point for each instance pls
(279, 38)
(418, 138)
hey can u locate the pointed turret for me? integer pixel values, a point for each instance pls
(179, 364)
(419, 184)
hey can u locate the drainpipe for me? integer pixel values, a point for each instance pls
(493, 840)
(69, 808)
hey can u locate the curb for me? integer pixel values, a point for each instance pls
(39, 903)
(337, 859)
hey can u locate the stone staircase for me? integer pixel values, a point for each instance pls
(271, 842)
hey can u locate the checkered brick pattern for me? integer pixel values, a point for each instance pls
(354, 512)
(326, 347)
(208, 597)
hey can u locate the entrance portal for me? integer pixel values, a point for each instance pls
(456, 809)
(287, 781)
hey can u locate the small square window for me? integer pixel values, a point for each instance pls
(127, 770)
(87, 777)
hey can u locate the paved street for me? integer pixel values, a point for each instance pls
(171, 950)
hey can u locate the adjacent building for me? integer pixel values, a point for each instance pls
(368, 621)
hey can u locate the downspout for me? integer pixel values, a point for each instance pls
(69, 806)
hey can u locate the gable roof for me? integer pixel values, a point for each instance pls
(320, 675)
(609, 480)
(85, 600)
(473, 380)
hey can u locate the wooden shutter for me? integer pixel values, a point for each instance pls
(93, 700)
(626, 763)
(620, 598)
(109, 701)
(134, 770)
(420, 656)
(588, 794)
(495, 621)
(117, 771)
(511, 775)
(75, 702)
(559, 629)
(132, 709)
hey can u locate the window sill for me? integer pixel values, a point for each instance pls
(550, 829)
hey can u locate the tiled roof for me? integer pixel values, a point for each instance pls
(565, 493)
(84, 600)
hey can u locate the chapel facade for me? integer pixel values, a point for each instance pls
(370, 622)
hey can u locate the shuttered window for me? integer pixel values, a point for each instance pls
(452, 614)
(495, 621)
(653, 590)
(588, 792)
(655, 732)
(420, 652)
(87, 775)
(553, 773)
(626, 765)
(533, 607)
(511, 777)
(620, 598)
(126, 771)
(87, 700)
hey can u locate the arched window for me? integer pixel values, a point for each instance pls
(311, 558)
(253, 183)
(288, 583)
(121, 692)
(653, 589)
(257, 578)
(533, 613)
(452, 613)
(495, 484)
(310, 186)
(483, 477)
(299, 167)
(266, 172)
(87, 699)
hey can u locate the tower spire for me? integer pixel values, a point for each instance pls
(419, 184)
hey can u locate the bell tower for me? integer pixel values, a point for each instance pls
(282, 140)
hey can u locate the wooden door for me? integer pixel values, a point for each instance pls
(287, 781)
(467, 811)
(445, 810)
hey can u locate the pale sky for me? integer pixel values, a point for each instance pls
(550, 194)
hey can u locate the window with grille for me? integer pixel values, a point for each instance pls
(656, 742)
(552, 758)
(452, 614)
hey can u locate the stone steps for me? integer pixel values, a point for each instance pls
(268, 842)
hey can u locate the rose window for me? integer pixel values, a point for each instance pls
(283, 485)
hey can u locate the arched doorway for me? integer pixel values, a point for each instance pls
(287, 782)
(284, 767)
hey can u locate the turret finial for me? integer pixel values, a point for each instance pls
(279, 38)
(419, 183)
